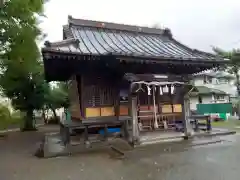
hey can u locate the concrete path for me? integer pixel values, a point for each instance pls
(15, 129)
(218, 161)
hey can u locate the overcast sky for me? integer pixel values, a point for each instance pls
(197, 23)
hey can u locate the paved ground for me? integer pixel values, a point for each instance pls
(15, 127)
(168, 162)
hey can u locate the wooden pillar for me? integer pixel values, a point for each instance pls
(154, 108)
(186, 115)
(135, 131)
(117, 102)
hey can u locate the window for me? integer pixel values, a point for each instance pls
(96, 96)
(207, 79)
(200, 99)
(220, 97)
(97, 92)
(223, 81)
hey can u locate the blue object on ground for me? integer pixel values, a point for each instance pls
(179, 125)
(109, 130)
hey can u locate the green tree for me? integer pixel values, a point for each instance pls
(19, 31)
(21, 69)
(57, 97)
(233, 66)
(26, 93)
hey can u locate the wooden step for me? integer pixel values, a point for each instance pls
(145, 111)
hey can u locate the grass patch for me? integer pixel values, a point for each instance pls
(229, 124)
(10, 123)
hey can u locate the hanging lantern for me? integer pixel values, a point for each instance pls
(160, 90)
(172, 89)
(165, 89)
(149, 91)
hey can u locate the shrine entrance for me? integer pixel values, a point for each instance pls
(160, 107)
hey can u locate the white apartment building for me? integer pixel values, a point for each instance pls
(214, 87)
(217, 80)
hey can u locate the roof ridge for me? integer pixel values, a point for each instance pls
(61, 42)
(117, 26)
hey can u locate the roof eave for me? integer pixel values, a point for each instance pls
(153, 59)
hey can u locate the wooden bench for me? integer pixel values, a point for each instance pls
(88, 124)
(169, 118)
(194, 119)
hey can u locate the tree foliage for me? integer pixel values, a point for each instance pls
(19, 31)
(233, 66)
(24, 91)
(57, 97)
(21, 76)
(21, 70)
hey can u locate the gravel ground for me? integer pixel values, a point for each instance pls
(174, 162)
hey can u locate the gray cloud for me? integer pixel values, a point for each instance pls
(196, 23)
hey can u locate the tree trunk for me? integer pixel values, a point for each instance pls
(56, 119)
(238, 92)
(28, 121)
(44, 116)
(54, 112)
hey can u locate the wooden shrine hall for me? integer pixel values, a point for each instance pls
(124, 76)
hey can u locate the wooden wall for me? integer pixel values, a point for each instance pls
(94, 97)
(99, 96)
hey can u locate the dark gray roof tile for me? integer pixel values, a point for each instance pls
(97, 38)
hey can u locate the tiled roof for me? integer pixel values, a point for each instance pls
(216, 74)
(100, 38)
(205, 90)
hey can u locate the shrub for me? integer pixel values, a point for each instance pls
(7, 119)
(5, 116)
